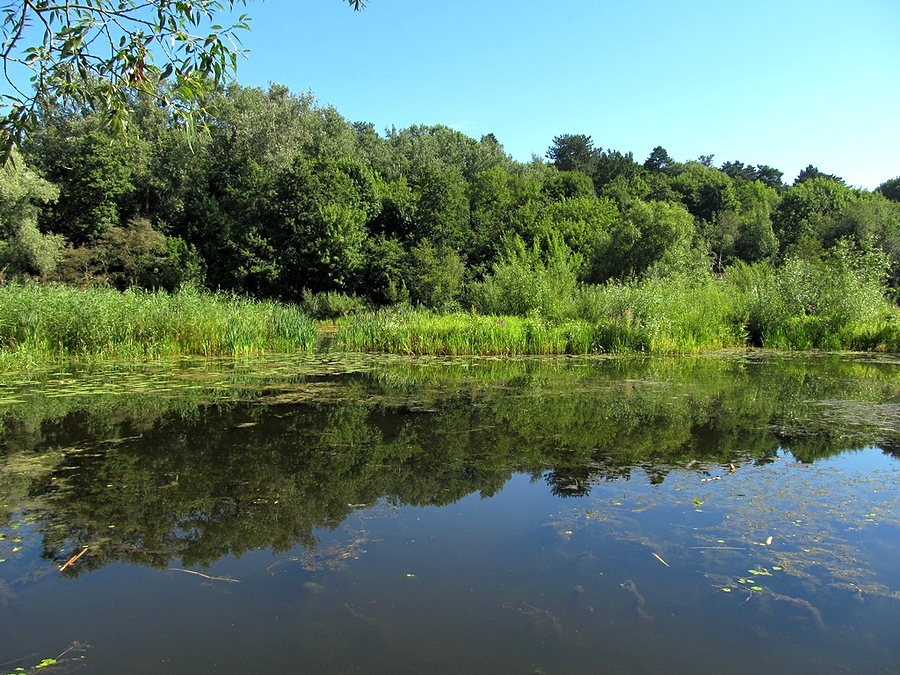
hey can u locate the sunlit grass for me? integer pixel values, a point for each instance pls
(37, 322)
(829, 305)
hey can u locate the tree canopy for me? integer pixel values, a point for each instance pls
(285, 198)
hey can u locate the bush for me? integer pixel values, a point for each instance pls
(529, 283)
(331, 304)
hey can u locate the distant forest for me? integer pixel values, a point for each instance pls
(282, 197)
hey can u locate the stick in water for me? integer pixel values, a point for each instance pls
(205, 576)
(71, 561)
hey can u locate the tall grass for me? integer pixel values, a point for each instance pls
(412, 331)
(836, 303)
(40, 321)
(674, 316)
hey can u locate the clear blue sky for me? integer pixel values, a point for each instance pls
(786, 83)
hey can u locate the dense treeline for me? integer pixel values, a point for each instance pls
(285, 199)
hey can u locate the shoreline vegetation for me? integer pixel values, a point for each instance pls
(832, 306)
(420, 241)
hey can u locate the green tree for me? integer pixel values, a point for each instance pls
(504, 202)
(433, 275)
(228, 193)
(442, 206)
(808, 211)
(612, 164)
(383, 270)
(530, 280)
(755, 239)
(95, 175)
(576, 152)
(23, 249)
(811, 172)
(647, 235)
(765, 174)
(890, 189)
(658, 161)
(573, 152)
(705, 191)
(134, 256)
(318, 225)
(581, 223)
(419, 146)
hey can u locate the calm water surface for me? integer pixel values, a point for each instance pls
(736, 513)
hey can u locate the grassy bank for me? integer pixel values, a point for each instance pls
(796, 308)
(40, 322)
(838, 305)
(611, 320)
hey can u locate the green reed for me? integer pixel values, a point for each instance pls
(792, 307)
(426, 332)
(45, 321)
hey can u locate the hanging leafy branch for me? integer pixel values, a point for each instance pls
(98, 53)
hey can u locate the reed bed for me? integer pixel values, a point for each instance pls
(39, 321)
(423, 332)
(834, 304)
(677, 315)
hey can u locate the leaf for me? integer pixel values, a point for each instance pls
(45, 663)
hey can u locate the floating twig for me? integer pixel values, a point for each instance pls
(205, 576)
(71, 561)
(655, 555)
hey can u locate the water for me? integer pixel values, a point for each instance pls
(732, 514)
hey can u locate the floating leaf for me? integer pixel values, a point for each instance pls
(45, 663)
(756, 588)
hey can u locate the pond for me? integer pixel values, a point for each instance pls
(322, 514)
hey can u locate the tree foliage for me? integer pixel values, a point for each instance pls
(97, 54)
(284, 198)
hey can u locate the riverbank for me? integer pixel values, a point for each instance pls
(40, 323)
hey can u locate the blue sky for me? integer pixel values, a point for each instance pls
(786, 83)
